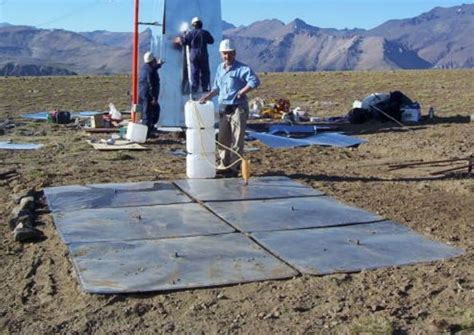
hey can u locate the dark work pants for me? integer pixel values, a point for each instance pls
(232, 135)
(200, 73)
(150, 115)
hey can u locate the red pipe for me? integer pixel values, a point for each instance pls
(135, 63)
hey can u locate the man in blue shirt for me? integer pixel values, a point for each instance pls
(149, 90)
(232, 83)
(197, 40)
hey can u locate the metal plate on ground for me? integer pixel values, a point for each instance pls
(235, 189)
(65, 198)
(323, 139)
(353, 248)
(335, 140)
(289, 213)
(134, 223)
(171, 264)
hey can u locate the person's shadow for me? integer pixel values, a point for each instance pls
(336, 178)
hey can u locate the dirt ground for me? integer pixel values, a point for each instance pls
(39, 291)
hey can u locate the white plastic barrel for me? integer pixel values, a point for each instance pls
(198, 115)
(136, 132)
(200, 166)
(200, 141)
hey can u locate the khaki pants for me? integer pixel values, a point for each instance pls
(232, 134)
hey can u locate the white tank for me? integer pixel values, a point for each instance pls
(199, 115)
(136, 132)
(200, 166)
(200, 141)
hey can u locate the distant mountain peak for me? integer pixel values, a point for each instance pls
(298, 23)
(261, 29)
(268, 22)
(439, 38)
(227, 25)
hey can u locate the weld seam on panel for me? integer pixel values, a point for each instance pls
(152, 238)
(320, 227)
(274, 198)
(250, 237)
(118, 207)
(202, 203)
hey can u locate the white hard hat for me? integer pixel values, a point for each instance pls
(195, 19)
(226, 45)
(148, 57)
(184, 27)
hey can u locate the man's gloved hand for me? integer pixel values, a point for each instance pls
(184, 27)
(177, 41)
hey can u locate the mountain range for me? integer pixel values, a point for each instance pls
(440, 38)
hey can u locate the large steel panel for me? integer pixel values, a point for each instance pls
(67, 198)
(176, 12)
(133, 223)
(171, 264)
(335, 140)
(323, 139)
(292, 213)
(235, 189)
(353, 248)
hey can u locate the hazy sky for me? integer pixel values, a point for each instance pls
(116, 15)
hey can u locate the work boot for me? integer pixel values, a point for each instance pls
(222, 172)
(232, 174)
(152, 133)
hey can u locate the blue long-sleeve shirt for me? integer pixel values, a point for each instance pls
(149, 82)
(198, 39)
(228, 82)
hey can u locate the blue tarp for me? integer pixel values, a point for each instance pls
(44, 115)
(323, 139)
(19, 146)
(291, 129)
(35, 116)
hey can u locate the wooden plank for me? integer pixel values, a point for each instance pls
(97, 121)
(118, 145)
(101, 130)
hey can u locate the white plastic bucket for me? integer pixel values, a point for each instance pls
(136, 132)
(198, 115)
(200, 141)
(200, 166)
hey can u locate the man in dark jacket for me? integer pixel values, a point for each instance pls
(149, 90)
(197, 40)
